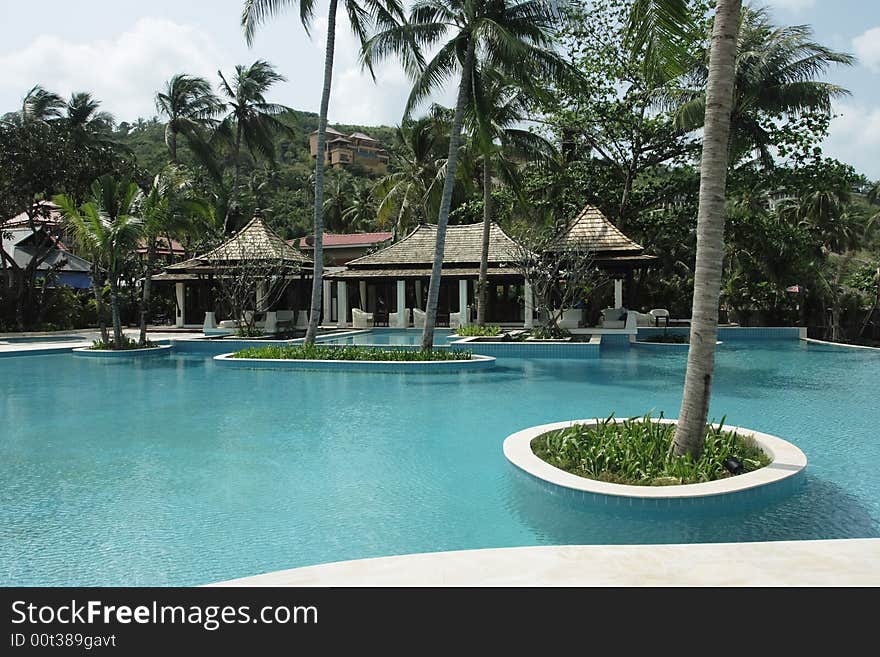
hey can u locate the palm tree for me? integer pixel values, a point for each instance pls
(85, 120)
(337, 201)
(108, 230)
(189, 104)
(659, 30)
(363, 15)
(502, 149)
(512, 38)
(776, 70)
(167, 209)
(411, 193)
(41, 105)
(251, 121)
(361, 212)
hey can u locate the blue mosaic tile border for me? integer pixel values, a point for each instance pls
(734, 334)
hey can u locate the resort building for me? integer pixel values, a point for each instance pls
(397, 277)
(340, 248)
(358, 149)
(256, 248)
(56, 265)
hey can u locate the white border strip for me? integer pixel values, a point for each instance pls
(839, 344)
(787, 461)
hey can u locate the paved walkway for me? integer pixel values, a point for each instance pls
(851, 562)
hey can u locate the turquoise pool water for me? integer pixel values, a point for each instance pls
(172, 471)
(390, 336)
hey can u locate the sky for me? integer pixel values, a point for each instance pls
(123, 51)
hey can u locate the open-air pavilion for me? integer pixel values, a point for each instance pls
(255, 251)
(397, 276)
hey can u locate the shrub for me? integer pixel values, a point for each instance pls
(349, 352)
(639, 452)
(549, 333)
(127, 344)
(473, 330)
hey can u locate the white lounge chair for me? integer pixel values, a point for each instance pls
(614, 318)
(361, 319)
(418, 318)
(660, 315)
(394, 319)
(570, 318)
(456, 320)
(643, 319)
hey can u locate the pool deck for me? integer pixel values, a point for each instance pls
(51, 347)
(842, 562)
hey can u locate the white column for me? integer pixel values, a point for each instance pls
(462, 302)
(342, 303)
(262, 293)
(618, 293)
(362, 288)
(181, 304)
(210, 321)
(401, 304)
(327, 301)
(529, 306)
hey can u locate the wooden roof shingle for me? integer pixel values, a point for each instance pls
(463, 244)
(591, 230)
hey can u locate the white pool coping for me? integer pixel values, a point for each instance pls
(476, 361)
(123, 353)
(834, 562)
(840, 344)
(788, 461)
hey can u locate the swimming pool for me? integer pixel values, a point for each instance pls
(173, 471)
(389, 336)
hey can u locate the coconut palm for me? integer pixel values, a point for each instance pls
(337, 201)
(512, 38)
(411, 193)
(502, 148)
(86, 122)
(658, 30)
(41, 105)
(168, 209)
(250, 121)
(361, 212)
(363, 16)
(106, 228)
(776, 71)
(189, 104)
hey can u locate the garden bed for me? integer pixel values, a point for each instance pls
(525, 448)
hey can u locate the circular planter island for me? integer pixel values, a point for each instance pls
(786, 462)
(160, 350)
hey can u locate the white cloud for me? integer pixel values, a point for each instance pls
(791, 5)
(124, 72)
(355, 97)
(855, 137)
(867, 47)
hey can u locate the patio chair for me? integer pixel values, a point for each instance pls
(418, 318)
(660, 315)
(643, 319)
(614, 318)
(361, 319)
(393, 319)
(570, 318)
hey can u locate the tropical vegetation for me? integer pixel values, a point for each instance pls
(638, 452)
(350, 352)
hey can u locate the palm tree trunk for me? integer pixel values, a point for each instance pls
(691, 427)
(236, 165)
(318, 247)
(99, 306)
(446, 200)
(145, 299)
(483, 283)
(114, 305)
(173, 147)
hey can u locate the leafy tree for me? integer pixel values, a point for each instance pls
(190, 107)
(363, 15)
(514, 39)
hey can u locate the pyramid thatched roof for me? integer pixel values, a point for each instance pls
(592, 231)
(256, 241)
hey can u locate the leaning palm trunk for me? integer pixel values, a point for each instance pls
(483, 283)
(99, 306)
(145, 299)
(691, 428)
(318, 253)
(446, 201)
(114, 305)
(236, 167)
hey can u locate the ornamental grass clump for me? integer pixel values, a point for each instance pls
(349, 352)
(638, 452)
(472, 330)
(127, 344)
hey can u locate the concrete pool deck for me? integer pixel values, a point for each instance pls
(839, 562)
